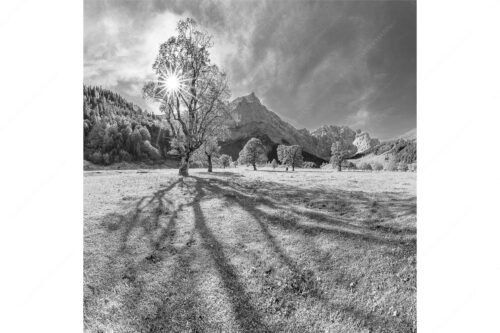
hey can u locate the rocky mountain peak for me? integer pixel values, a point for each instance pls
(247, 99)
(250, 118)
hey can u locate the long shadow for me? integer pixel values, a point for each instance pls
(275, 196)
(247, 203)
(246, 315)
(148, 222)
(133, 220)
(250, 204)
(221, 173)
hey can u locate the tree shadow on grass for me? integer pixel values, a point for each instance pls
(276, 199)
(145, 216)
(298, 284)
(267, 197)
(246, 315)
(221, 173)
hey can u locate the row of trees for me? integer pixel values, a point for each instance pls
(254, 153)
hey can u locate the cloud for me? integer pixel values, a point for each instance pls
(360, 119)
(316, 62)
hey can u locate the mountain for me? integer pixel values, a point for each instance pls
(116, 130)
(250, 118)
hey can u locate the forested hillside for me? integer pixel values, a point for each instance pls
(116, 130)
(403, 150)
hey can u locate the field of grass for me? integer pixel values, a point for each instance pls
(249, 251)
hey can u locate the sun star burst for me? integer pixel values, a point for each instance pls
(172, 83)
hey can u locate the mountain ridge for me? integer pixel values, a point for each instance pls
(250, 118)
(110, 120)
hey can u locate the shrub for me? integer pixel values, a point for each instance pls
(325, 165)
(377, 166)
(365, 166)
(351, 166)
(308, 165)
(412, 167)
(196, 164)
(402, 166)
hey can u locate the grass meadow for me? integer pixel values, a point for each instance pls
(238, 250)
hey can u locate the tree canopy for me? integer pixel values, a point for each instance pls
(341, 150)
(192, 92)
(225, 160)
(253, 153)
(290, 155)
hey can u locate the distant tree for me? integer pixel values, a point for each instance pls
(225, 160)
(150, 151)
(206, 152)
(192, 92)
(145, 134)
(96, 135)
(125, 156)
(290, 156)
(365, 166)
(377, 166)
(252, 153)
(210, 149)
(341, 150)
(135, 143)
(274, 164)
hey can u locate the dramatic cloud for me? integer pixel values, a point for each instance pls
(312, 62)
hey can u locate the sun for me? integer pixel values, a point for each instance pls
(172, 82)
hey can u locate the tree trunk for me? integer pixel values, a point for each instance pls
(183, 169)
(293, 167)
(209, 157)
(339, 166)
(254, 168)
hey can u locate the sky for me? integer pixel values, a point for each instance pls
(314, 63)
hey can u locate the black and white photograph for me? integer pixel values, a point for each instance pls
(249, 166)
